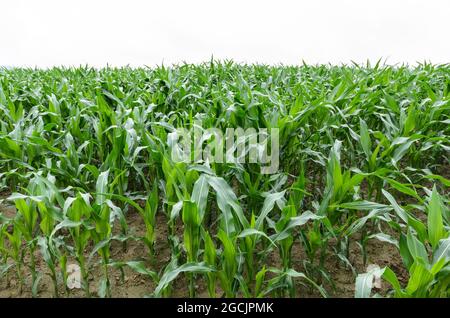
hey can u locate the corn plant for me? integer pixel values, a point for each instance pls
(83, 149)
(210, 259)
(16, 253)
(77, 210)
(191, 236)
(102, 232)
(229, 265)
(149, 215)
(26, 221)
(428, 276)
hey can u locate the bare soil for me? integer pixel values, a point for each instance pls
(136, 285)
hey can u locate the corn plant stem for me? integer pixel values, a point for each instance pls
(191, 285)
(19, 276)
(106, 276)
(84, 275)
(32, 265)
(55, 282)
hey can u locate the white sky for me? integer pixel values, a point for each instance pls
(96, 32)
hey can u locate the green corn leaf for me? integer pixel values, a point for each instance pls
(362, 205)
(419, 279)
(102, 188)
(137, 266)
(435, 222)
(390, 276)
(365, 138)
(442, 251)
(269, 204)
(416, 248)
(169, 276)
(200, 194)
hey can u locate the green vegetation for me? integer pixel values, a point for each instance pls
(364, 156)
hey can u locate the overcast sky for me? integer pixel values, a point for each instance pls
(137, 32)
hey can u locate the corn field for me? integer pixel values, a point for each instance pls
(357, 208)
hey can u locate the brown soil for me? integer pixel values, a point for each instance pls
(136, 285)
